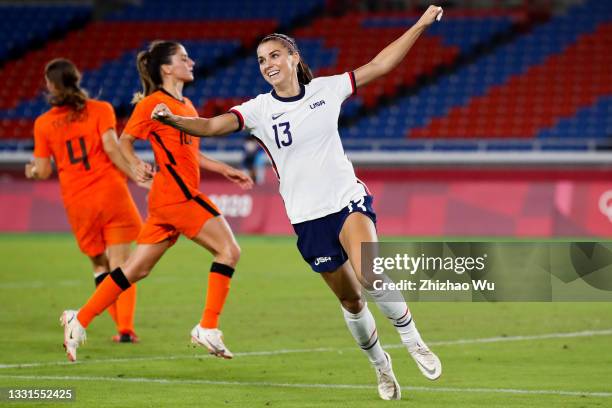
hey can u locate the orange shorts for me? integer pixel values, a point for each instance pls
(106, 217)
(169, 221)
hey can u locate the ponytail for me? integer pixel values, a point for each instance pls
(148, 86)
(148, 64)
(304, 73)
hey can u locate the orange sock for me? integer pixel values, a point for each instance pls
(105, 295)
(218, 288)
(112, 309)
(125, 305)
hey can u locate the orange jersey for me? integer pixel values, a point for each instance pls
(77, 148)
(176, 153)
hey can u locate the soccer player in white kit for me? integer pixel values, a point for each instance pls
(329, 208)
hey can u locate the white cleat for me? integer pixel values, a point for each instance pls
(74, 333)
(426, 360)
(212, 339)
(388, 387)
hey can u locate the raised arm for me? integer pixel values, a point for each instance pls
(232, 174)
(216, 126)
(394, 53)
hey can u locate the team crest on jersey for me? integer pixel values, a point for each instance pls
(317, 104)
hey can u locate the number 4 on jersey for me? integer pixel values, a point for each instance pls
(82, 158)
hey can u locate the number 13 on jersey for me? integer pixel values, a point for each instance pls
(359, 203)
(287, 139)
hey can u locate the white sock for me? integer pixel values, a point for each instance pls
(363, 328)
(393, 305)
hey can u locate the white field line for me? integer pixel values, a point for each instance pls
(500, 339)
(303, 385)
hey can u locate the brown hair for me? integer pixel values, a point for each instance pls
(149, 64)
(66, 79)
(303, 70)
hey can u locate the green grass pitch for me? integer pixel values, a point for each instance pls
(292, 346)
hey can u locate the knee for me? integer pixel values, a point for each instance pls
(230, 255)
(98, 269)
(117, 259)
(353, 305)
(99, 263)
(134, 274)
(143, 273)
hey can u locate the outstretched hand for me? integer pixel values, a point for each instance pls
(430, 15)
(239, 177)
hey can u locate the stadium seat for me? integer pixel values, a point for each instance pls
(28, 25)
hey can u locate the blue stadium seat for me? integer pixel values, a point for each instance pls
(592, 122)
(23, 25)
(492, 69)
(463, 32)
(153, 10)
(116, 81)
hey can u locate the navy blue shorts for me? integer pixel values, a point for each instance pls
(319, 240)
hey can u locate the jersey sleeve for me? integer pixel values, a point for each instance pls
(342, 85)
(41, 145)
(106, 118)
(139, 124)
(248, 114)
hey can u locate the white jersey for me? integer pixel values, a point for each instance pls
(300, 135)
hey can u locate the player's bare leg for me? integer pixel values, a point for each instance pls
(217, 237)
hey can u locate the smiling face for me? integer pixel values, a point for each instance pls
(180, 67)
(277, 65)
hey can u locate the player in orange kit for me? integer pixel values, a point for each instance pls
(79, 133)
(176, 206)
